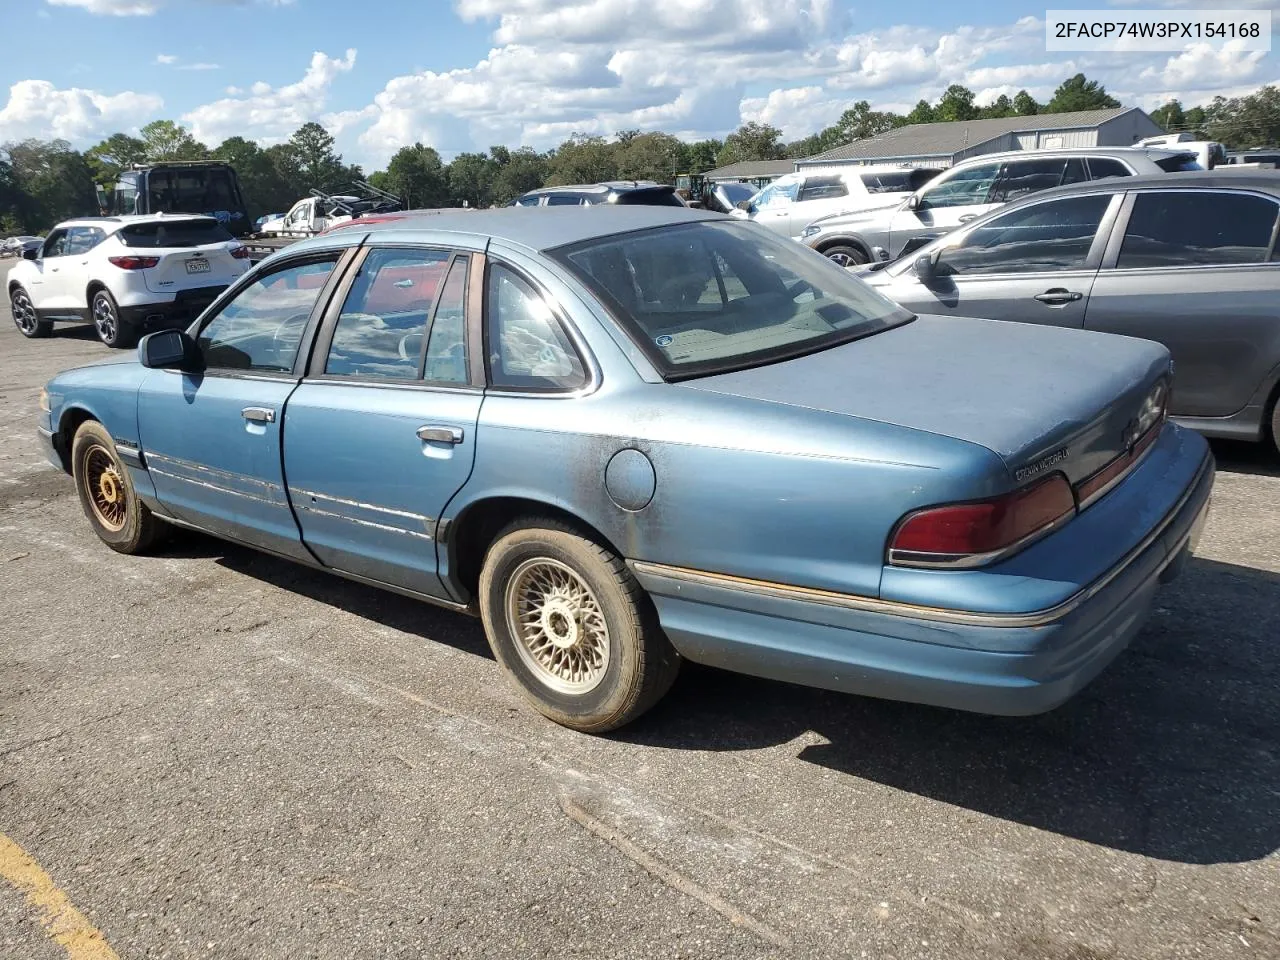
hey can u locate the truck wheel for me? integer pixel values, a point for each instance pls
(25, 317)
(569, 624)
(121, 520)
(112, 331)
(846, 256)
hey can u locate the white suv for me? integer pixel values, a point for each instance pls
(795, 200)
(124, 274)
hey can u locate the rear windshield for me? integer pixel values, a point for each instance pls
(661, 197)
(897, 181)
(1183, 161)
(192, 190)
(709, 297)
(174, 233)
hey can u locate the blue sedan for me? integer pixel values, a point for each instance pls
(629, 436)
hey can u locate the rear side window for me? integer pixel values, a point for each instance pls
(1183, 161)
(564, 200)
(1102, 167)
(1179, 229)
(823, 188)
(174, 233)
(528, 349)
(903, 182)
(649, 198)
(964, 188)
(1051, 236)
(1022, 177)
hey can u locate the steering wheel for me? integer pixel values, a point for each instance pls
(403, 349)
(799, 287)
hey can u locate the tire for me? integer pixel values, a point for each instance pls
(105, 314)
(603, 659)
(24, 315)
(846, 256)
(121, 520)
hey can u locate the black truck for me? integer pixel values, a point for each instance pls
(209, 187)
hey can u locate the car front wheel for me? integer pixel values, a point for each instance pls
(571, 626)
(25, 317)
(119, 518)
(846, 256)
(106, 321)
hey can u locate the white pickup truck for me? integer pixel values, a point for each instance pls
(308, 217)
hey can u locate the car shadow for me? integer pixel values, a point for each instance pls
(1171, 753)
(1239, 456)
(415, 617)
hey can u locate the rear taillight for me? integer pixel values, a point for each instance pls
(1145, 428)
(134, 263)
(240, 253)
(975, 533)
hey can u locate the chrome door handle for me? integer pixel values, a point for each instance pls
(259, 414)
(1056, 297)
(440, 434)
(968, 216)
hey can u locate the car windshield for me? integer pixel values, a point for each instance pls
(710, 297)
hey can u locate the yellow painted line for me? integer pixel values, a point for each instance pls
(60, 919)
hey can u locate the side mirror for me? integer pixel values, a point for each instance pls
(32, 254)
(914, 244)
(169, 350)
(744, 205)
(914, 202)
(925, 267)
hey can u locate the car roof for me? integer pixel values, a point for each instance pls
(1118, 152)
(1267, 181)
(604, 186)
(131, 218)
(541, 230)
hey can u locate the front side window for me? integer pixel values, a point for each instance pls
(1023, 177)
(1181, 229)
(83, 239)
(1045, 237)
(564, 200)
(824, 188)
(262, 327)
(1102, 167)
(55, 245)
(778, 193)
(964, 188)
(528, 348)
(893, 182)
(529, 201)
(707, 297)
(382, 329)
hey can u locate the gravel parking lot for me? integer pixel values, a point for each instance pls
(213, 753)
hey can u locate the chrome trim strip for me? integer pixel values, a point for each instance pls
(297, 491)
(129, 452)
(214, 474)
(1036, 618)
(45, 432)
(1099, 494)
(364, 523)
(213, 486)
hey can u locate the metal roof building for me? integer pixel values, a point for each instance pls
(751, 171)
(944, 144)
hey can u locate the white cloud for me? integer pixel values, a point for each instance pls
(36, 108)
(796, 111)
(166, 58)
(269, 113)
(1204, 65)
(201, 66)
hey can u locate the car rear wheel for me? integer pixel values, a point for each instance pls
(846, 256)
(571, 626)
(106, 321)
(25, 317)
(121, 520)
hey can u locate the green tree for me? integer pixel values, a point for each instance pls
(522, 170)
(265, 188)
(582, 159)
(471, 179)
(416, 175)
(1024, 104)
(1079, 93)
(54, 181)
(702, 155)
(166, 140)
(651, 156)
(1002, 106)
(114, 154)
(922, 112)
(1241, 122)
(1170, 116)
(751, 141)
(860, 122)
(315, 164)
(956, 103)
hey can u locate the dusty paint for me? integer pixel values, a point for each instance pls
(60, 919)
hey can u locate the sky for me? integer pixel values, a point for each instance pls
(467, 74)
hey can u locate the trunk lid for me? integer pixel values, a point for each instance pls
(193, 253)
(1024, 391)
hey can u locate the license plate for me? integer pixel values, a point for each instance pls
(197, 266)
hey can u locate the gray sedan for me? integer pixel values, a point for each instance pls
(1187, 259)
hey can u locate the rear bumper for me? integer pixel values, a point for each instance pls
(993, 663)
(177, 313)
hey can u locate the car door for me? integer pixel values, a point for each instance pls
(1194, 269)
(74, 269)
(819, 195)
(48, 292)
(382, 431)
(944, 204)
(1033, 264)
(212, 440)
(772, 206)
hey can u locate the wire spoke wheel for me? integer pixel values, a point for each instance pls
(24, 312)
(104, 318)
(558, 625)
(106, 489)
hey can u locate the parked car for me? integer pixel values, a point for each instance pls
(631, 436)
(1185, 259)
(124, 274)
(614, 191)
(724, 197)
(795, 200)
(972, 188)
(18, 246)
